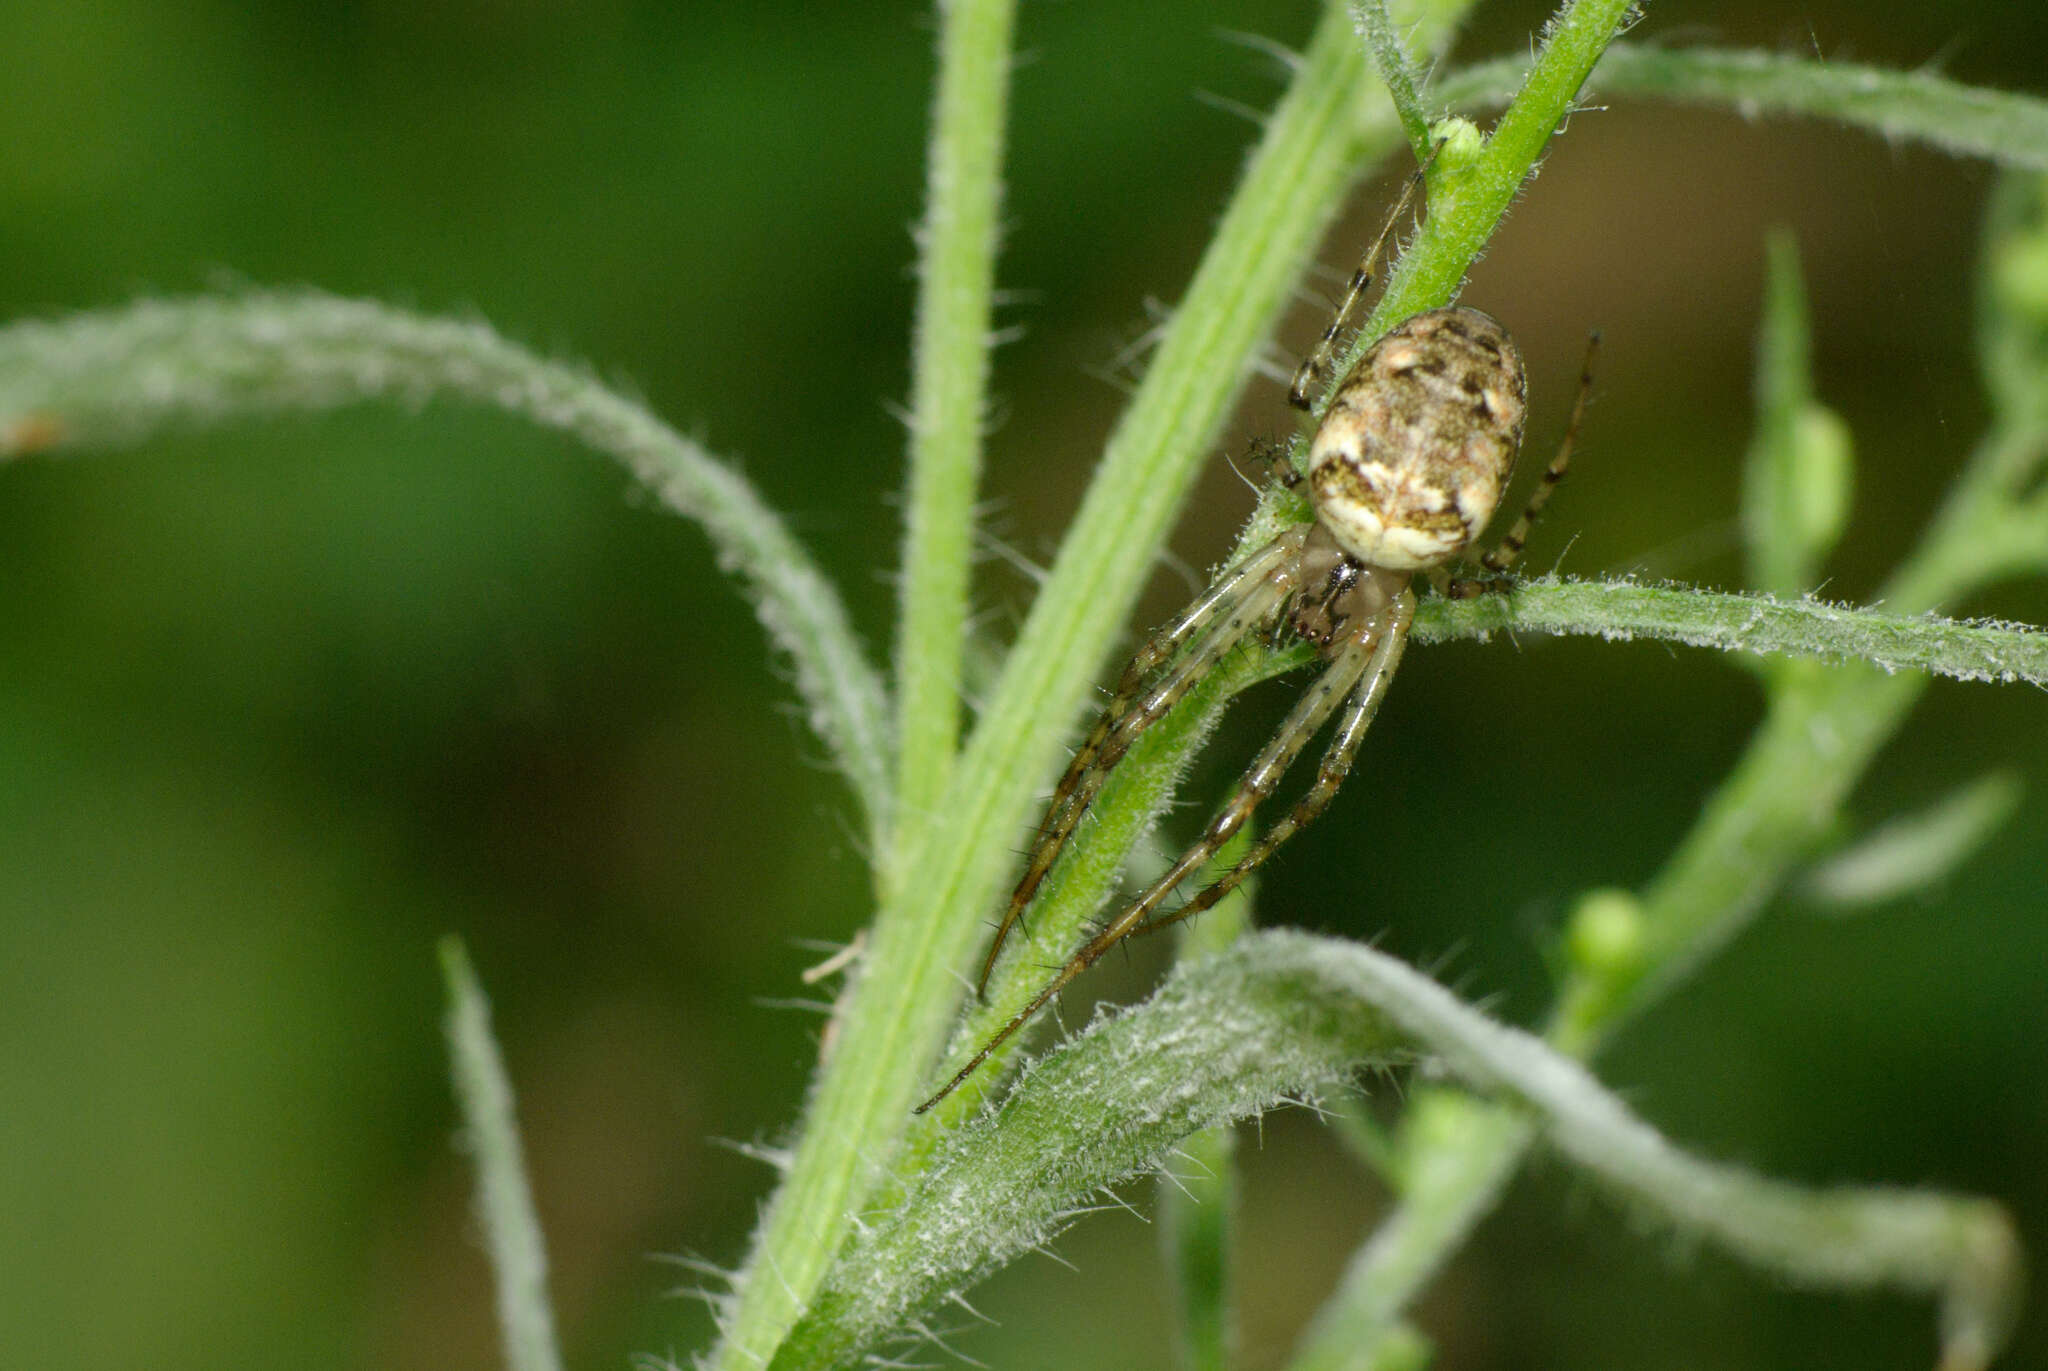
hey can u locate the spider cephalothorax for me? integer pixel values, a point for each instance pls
(1404, 471)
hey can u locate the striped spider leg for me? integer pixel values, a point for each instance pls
(1242, 600)
(1404, 472)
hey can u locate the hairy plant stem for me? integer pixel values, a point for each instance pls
(1396, 72)
(1280, 1015)
(1197, 1188)
(504, 1201)
(1900, 106)
(949, 367)
(1891, 639)
(1775, 810)
(1443, 258)
(1311, 148)
(905, 993)
(1470, 192)
(118, 376)
(115, 377)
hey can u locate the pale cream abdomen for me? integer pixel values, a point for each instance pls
(1411, 458)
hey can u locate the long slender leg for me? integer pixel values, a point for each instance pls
(1315, 368)
(1258, 782)
(1336, 765)
(1503, 554)
(1217, 601)
(1220, 619)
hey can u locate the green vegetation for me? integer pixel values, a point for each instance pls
(881, 1221)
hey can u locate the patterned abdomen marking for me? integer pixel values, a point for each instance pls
(1419, 440)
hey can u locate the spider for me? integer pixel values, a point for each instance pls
(1404, 471)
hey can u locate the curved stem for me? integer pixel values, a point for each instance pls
(114, 377)
(1280, 1015)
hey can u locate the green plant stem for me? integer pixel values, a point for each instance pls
(950, 366)
(1770, 814)
(1145, 781)
(1101, 525)
(901, 1003)
(1280, 1014)
(1781, 802)
(1468, 197)
(1820, 733)
(115, 377)
(1061, 909)
(1795, 489)
(1197, 1209)
(897, 1012)
(1074, 892)
(1916, 106)
(1108, 1106)
(1893, 639)
(1196, 1213)
(1390, 59)
(504, 1203)
(1444, 1191)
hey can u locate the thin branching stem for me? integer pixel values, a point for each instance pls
(115, 377)
(1470, 191)
(1145, 781)
(1132, 802)
(1445, 257)
(1396, 71)
(1900, 106)
(1059, 912)
(1444, 1191)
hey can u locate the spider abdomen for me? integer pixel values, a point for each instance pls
(1411, 458)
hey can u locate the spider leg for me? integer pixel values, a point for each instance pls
(1258, 781)
(1501, 556)
(1336, 764)
(1315, 368)
(1244, 598)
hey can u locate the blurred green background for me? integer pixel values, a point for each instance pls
(281, 704)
